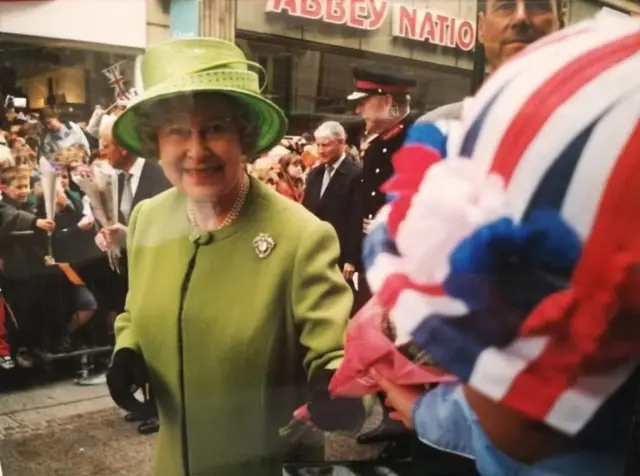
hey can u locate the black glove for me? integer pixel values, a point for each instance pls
(126, 375)
(333, 414)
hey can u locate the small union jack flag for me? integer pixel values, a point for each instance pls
(116, 81)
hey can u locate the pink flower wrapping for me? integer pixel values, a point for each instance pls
(368, 347)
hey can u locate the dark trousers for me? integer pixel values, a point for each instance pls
(5, 350)
(362, 295)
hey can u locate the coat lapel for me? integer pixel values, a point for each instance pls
(143, 183)
(312, 192)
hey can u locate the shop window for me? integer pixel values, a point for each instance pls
(314, 84)
(68, 78)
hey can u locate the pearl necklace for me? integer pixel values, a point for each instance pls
(231, 216)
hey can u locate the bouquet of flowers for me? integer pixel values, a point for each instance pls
(99, 182)
(49, 178)
(370, 346)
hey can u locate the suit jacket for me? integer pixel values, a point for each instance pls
(152, 182)
(338, 206)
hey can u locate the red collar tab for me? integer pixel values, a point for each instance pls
(394, 131)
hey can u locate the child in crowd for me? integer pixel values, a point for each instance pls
(22, 253)
(72, 247)
(291, 183)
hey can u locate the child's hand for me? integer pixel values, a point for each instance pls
(49, 261)
(45, 225)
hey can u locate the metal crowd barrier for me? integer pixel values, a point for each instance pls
(46, 356)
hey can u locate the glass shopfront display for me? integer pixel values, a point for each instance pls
(311, 82)
(71, 78)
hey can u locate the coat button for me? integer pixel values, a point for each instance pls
(377, 171)
(373, 194)
(361, 180)
(384, 151)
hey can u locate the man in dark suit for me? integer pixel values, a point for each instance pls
(381, 98)
(331, 193)
(139, 179)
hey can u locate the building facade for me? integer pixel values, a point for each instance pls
(69, 54)
(307, 48)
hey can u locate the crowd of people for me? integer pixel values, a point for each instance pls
(32, 246)
(230, 330)
(52, 275)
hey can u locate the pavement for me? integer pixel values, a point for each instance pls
(63, 429)
(28, 411)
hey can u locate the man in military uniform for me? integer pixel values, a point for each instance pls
(382, 101)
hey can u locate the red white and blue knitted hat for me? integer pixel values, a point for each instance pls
(515, 261)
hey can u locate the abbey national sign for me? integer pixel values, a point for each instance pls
(419, 24)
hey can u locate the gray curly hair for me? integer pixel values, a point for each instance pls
(153, 116)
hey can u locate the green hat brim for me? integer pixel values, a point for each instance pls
(270, 120)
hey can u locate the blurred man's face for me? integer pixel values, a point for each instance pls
(374, 110)
(329, 149)
(52, 124)
(19, 189)
(113, 154)
(508, 26)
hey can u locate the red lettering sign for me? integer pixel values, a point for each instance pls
(417, 24)
(404, 24)
(423, 25)
(443, 24)
(311, 9)
(358, 14)
(335, 12)
(290, 6)
(427, 28)
(378, 13)
(451, 41)
(466, 35)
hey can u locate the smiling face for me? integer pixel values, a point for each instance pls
(20, 188)
(508, 26)
(200, 146)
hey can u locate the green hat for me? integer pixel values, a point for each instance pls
(194, 65)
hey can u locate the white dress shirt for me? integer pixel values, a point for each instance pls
(136, 171)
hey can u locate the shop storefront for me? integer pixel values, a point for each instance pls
(309, 48)
(69, 54)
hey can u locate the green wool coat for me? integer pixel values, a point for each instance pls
(230, 338)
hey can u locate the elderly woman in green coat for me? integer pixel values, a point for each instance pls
(236, 308)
